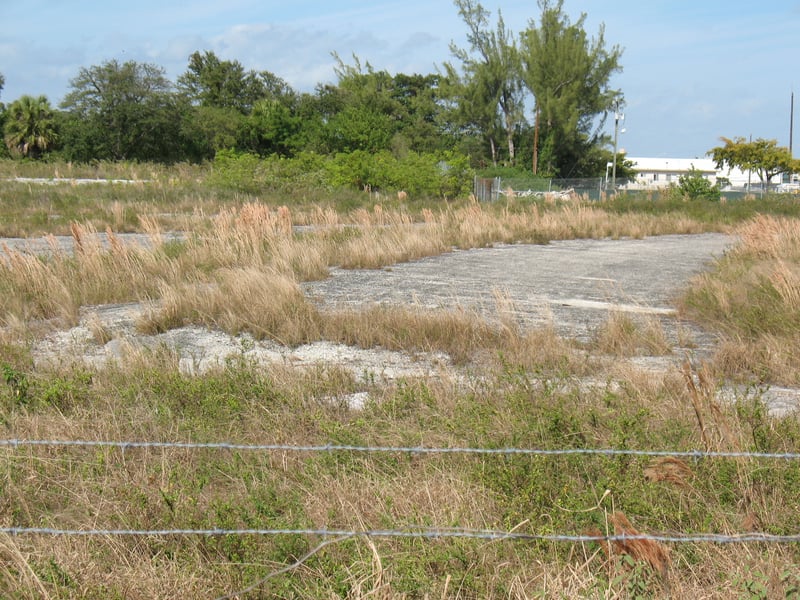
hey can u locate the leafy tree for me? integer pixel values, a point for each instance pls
(272, 128)
(205, 130)
(30, 128)
(363, 114)
(373, 110)
(122, 111)
(490, 90)
(422, 127)
(314, 112)
(764, 157)
(209, 81)
(568, 75)
(3, 148)
(235, 108)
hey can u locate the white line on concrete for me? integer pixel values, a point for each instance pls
(634, 308)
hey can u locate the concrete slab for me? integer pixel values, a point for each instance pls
(573, 284)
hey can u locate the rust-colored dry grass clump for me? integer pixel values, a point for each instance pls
(671, 470)
(645, 550)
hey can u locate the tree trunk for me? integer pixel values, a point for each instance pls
(536, 142)
(510, 139)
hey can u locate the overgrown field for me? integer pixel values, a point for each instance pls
(237, 267)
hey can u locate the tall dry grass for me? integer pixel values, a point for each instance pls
(752, 297)
(623, 335)
(243, 255)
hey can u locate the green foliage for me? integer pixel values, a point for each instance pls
(211, 82)
(754, 586)
(694, 186)
(65, 392)
(205, 130)
(634, 579)
(243, 172)
(131, 111)
(764, 157)
(360, 128)
(17, 381)
(569, 76)
(249, 173)
(30, 127)
(444, 175)
(372, 110)
(272, 128)
(122, 112)
(490, 91)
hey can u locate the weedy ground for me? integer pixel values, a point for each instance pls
(238, 268)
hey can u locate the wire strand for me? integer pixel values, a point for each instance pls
(695, 454)
(429, 533)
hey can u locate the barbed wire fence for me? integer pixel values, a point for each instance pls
(695, 454)
(410, 531)
(333, 536)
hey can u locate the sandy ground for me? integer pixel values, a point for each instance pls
(573, 285)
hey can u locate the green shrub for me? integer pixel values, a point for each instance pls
(445, 175)
(694, 186)
(242, 172)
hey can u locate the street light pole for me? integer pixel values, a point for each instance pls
(617, 118)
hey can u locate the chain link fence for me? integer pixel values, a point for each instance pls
(493, 188)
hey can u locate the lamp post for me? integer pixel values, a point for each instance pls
(618, 116)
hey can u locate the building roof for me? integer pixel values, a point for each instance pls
(673, 165)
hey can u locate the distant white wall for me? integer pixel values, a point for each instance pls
(654, 173)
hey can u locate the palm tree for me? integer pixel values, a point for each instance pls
(30, 126)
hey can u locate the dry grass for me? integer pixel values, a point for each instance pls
(653, 553)
(669, 469)
(623, 335)
(753, 298)
(257, 236)
(264, 304)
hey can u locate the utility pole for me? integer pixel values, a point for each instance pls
(791, 124)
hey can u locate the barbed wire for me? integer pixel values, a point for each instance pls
(695, 454)
(429, 533)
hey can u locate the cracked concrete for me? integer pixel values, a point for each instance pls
(573, 285)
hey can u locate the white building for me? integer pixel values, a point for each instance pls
(654, 173)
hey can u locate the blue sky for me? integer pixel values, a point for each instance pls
(692, 70)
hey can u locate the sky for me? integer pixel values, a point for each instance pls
(693, 71)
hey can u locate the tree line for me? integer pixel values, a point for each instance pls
(537, 100)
